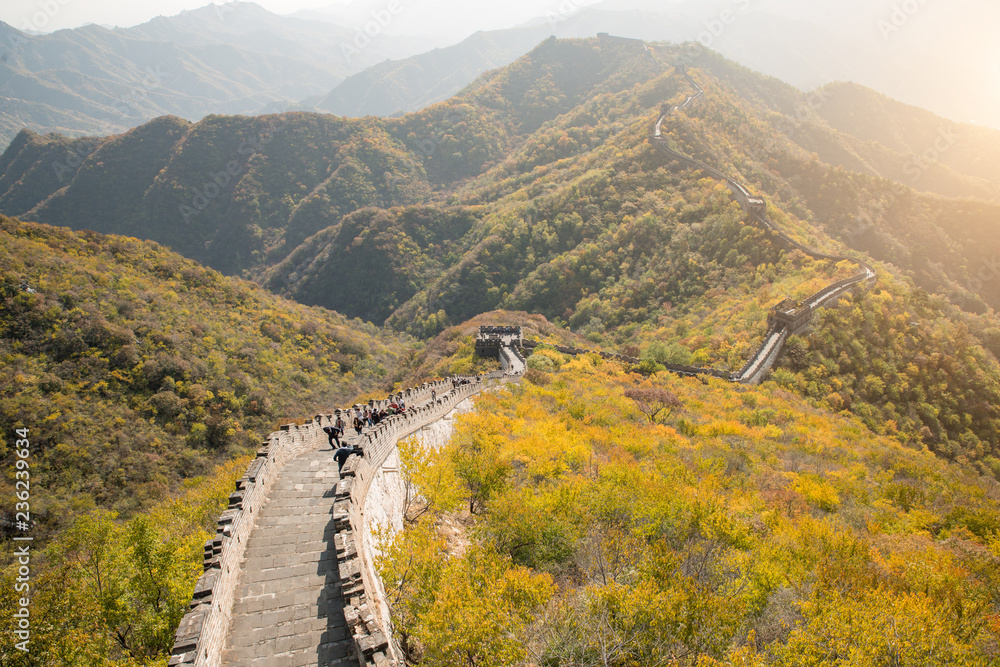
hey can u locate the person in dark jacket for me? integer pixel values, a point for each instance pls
(344, 453)
(333, 434)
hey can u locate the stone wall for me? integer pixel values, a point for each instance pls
(201, 636)
(377, 498)
(766, 355)
(384, 506)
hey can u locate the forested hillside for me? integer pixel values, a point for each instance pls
(135, 369)
(536, 190)
(589, 516)
(241, 194)
(844, 512)
(232, 192)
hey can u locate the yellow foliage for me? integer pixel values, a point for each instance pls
(817, 491)
(433, 477)
(677, 539)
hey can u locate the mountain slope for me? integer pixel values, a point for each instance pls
(662, 520)
(232, 58)
(233, 192)
(394, 87)
(134, 369)
(908, 130)
(494, 132)
(537, 190)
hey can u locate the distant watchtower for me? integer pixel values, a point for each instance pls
(791, 314)
(756, 204)
(489, 340)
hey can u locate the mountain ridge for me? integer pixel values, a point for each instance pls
(538, 190)
(233, 58)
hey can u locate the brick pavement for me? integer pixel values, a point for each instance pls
(289, 611)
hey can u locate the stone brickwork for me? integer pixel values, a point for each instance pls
(201, 637)
(368, 610)
(202, 633)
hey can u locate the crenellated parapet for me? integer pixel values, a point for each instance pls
(202, 634)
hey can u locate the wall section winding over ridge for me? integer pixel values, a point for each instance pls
(782, 325)
(202, 633)
(201, 636)
(756, 208)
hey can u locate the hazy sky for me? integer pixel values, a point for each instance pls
(49, 15)
(945, 47)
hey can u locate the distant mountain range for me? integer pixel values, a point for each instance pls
(236, 59)
(394, 87)
(244, 195)
(536, 189)
(798, 46)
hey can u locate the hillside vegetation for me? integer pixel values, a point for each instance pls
(110, 591)
(536, 190)
(232, 192)
(242, 194)
(612, 516)
(737, 526)
(134, 369)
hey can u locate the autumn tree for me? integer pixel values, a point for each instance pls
(654, 402)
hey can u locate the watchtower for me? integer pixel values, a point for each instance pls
(792, 314)
(756, 205)
(490, 339)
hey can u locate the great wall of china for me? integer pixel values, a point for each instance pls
(289, 578)
(784, 319)
(325, 604)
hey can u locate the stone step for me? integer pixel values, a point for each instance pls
(289, 607)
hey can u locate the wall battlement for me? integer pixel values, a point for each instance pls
(202, 633)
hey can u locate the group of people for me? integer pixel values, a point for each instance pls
(457, 382)
(499, 331)
(362, 418)
(367, 416)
